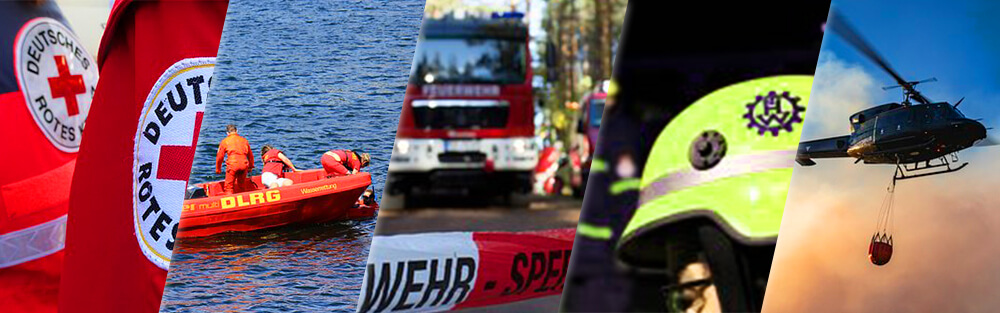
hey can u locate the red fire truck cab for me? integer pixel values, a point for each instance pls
(467, 118)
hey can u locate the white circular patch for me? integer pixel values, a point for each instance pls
(165, 141)
(58, 78)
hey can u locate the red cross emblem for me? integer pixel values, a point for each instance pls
(175, 161)
(67, 86)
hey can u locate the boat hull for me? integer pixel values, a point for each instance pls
(316, 201)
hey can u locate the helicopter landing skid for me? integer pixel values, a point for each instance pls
(927, 168)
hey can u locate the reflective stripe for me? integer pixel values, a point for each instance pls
(624, 185)
(33, 242)
(594, 231)
(728, 167)
(598, 166)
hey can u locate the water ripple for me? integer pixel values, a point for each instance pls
(304, 76)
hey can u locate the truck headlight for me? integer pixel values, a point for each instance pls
(403, 146)
(518, 145)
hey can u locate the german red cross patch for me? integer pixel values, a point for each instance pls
(58, 77)
(165, 142)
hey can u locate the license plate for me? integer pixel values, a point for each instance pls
(461, 145)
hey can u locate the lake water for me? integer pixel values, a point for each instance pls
(305, 77)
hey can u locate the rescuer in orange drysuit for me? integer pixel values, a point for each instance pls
(343, 162)
(239, 160)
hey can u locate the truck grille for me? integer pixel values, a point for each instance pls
(456, 114)
(462, 157)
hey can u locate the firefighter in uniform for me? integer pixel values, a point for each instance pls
(597, 283)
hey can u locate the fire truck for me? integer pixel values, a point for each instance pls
(588, 127)
(467, 120)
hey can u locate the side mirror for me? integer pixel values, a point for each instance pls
(551, 62)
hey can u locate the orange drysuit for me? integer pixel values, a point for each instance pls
(239, 161)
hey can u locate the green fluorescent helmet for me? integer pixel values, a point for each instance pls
(726, 160)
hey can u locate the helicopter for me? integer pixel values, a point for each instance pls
(921, 137)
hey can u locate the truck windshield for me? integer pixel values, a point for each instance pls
(469, 61)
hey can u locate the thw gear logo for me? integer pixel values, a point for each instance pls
(774, 113)
(57, 77)
(165, 142)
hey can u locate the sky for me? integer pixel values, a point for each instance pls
(947, 227)
(956, 42)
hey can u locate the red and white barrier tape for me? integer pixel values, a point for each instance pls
(432, 272)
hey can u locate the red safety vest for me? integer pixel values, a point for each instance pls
(350, 159)
(45, 95)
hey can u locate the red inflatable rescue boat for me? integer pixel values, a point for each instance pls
(312, 198)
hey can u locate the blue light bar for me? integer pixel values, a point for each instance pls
(498, 15)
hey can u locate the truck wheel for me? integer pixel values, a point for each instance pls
(392, 201)
(516, 200)
(409, 200)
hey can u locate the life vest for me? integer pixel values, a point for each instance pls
(273, 163)
(349, 158)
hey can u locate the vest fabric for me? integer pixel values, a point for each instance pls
(273, 163)
(106, 267)
(35, 186)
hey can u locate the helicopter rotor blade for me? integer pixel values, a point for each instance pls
(838, 24)
(932, 79)
(959, 102)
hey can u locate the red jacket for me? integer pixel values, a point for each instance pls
(118, 242)
(35, 183)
